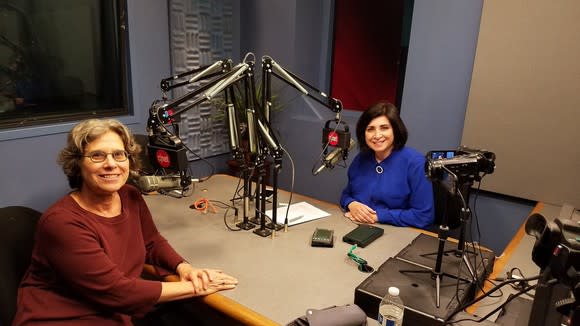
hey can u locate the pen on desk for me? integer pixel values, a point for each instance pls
(294, 219)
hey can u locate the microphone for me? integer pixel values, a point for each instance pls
(217, 66)
(286, 76)
(333, 157)
(149, 183)
(234, 76)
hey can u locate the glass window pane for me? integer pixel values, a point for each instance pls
(61, 60)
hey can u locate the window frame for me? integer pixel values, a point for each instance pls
(59, 123)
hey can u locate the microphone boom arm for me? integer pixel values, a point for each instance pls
(215, 69)
(166, 148)
(271, 67)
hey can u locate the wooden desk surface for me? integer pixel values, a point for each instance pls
(280, 277)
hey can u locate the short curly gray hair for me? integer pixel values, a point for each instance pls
(84, 133)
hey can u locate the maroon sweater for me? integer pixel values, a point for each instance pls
(85, 268)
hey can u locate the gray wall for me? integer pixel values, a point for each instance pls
(297, 35)
(34, 179)
(441, 54)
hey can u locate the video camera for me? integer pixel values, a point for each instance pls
(462, 162)
(557, 252)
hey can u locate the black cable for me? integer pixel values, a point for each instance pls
(477, 222)
(464, 306)
(511, 273)
(518, 285)
(218, 203)
(235, 208)
(448, 322)
(233, 205)
(458, 278)
(238, 189)
(225, 218)
(477, 247)
(212, 167)
(469, 240)
(475, 207)
(476, 217)
(493, 296)
(293, 171)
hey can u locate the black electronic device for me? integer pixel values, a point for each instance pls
(453, 172)
(322, 238)
(335, 136)
(462, 162)
(557, 252)
(363, 235)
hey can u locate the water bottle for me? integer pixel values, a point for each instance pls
(391, 309)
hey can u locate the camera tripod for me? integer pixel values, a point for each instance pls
(459, 192)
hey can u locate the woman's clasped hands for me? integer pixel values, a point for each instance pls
(205, 281)
(361, 213)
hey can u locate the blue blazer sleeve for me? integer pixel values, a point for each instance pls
(347, 195)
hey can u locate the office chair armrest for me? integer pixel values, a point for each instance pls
(238, 312)
(151, 273)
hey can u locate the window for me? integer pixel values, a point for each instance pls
(62, 60)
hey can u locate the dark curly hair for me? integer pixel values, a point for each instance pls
(84, 133)
(382, 109)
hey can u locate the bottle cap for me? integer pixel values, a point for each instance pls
(394, 291)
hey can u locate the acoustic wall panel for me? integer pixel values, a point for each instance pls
(201, 33)
(524, 101)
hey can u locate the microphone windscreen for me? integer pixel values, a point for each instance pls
(151, 183)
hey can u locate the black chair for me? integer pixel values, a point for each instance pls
(17, 226)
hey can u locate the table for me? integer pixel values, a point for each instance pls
(279, 277)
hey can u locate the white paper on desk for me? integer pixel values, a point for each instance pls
(299, 213)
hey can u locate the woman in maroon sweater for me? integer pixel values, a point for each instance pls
(90, 246)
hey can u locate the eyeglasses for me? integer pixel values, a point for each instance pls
(100, 156)
(362, 264)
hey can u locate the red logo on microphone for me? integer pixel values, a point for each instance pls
(163, 158)
(332, 138)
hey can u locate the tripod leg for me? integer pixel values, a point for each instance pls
(443, 232)
(469, 268)
(438, 290)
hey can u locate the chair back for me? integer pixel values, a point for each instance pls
(447, 206)
(17, 227)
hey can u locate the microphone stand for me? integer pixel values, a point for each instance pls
(268, 135)
(257, 151)
(245, 224)
(276, 170)
(252, 135)
(260, 199)
(238, 155)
